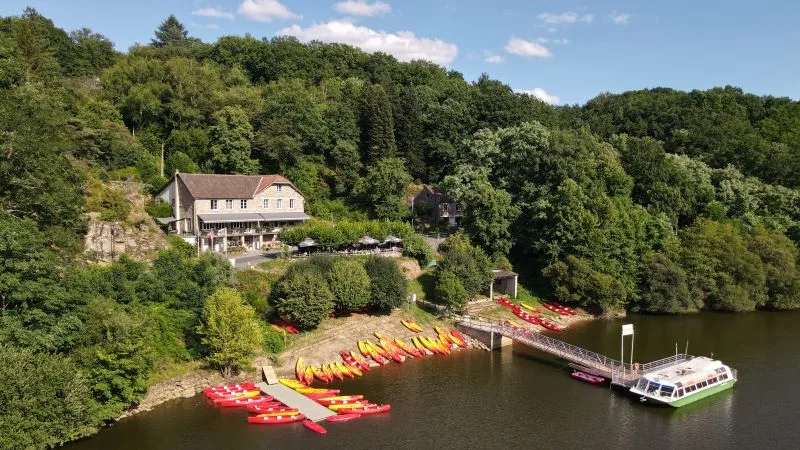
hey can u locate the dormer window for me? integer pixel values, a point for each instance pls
(279, 188)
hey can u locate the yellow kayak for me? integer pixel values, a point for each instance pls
(359, 359)
(418, 345)
(380, 336)
(354, 370)
(363, 349)
(512, 322)
(375, 349)
(309, 375)
(300, 370)
(428, 344)
(528, 307)
(327, 371)
(411, 325)
(357, 404)
(294, 384)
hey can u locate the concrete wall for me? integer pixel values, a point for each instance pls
(487, 338)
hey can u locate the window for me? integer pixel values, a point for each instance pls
(214, 205)
(291, 203)
(279, 203)
(172, 202)
(279, 188)
(266, 203)
(458, 207)
(242, 204)
(228, 204)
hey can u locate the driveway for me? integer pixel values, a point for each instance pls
(252, 259)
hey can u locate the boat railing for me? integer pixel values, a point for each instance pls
(654, 366)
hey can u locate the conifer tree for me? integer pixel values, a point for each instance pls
(377, 125)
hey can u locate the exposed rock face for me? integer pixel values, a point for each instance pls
(106, 241)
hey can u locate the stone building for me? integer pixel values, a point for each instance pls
(439, 207)
(219, 212)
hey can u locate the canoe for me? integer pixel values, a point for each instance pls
(336, 372)
(314, 426)
(445, 345)
(276, 419)
(236, 402)
(371, 409)
(269, 407)
(245, 394)
(568, 310)
(407, 348)
(530, 308)
(308, 376)
(589, 378)
(379, 359)
(228, 387)
(343, 417)
(220, 394)
(375, 349)
(300, 370)
(294, 384)
(326, 369)
(319, 374)
(355, 370)
(442, 335)
(428, 345)
(307, 391)
(325, 402)
(355, 404)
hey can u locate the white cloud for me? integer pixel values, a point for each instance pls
(362, 8)
(265, 10)
(588, 18)
(620, 18)
(213, 12)
(542, 95)
(544, 40)
(522, 47)
(494, 59)
(558, 19)
(403, 45)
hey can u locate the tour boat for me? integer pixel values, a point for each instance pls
(314, 426)
(371, 409)
(343, 417)
(589, 378)
(283, 418)
(684, 383)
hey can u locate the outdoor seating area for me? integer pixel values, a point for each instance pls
(365, 246)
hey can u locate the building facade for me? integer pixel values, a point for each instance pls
(220, 212)
(440, 207)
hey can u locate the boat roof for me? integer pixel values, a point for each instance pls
(687, 372)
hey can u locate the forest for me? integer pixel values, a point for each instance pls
(656, 200)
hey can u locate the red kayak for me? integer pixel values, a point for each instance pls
(569, 311)
(276, 419)
(287, 326)
(314, 426)
(246, 401)
(228, 393)
(370, 409)
(269, 407)
(230, 387)
(343, 417)
(589, 378)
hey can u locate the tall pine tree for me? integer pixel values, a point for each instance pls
(171, 32)
(377, 125)
(409, 132)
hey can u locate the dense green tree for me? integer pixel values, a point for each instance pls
(171, 32)
(349, 283)
(383, 189)
(229, 331)
(663, 287)
(575, 281)
(389, 286)
(449, 291)
(377, 126)
(781, 259)
(409, 132)
(468, 263)
(303, 296)
(230, 142)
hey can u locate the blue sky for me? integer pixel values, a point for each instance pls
(563, 51)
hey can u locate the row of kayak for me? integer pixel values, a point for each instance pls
(535, 320)
(327, 372)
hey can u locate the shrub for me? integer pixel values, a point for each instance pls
(158, 208)
(274, 342)
(415, 246)
(303, 297)
(229, 331)
(349, 283)
(449, 291)
(468, 263)
(389, 286)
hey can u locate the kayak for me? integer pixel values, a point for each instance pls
(454, 334)
(300, 370)
(345, 370)
(530, 308)
(569, 311)
(221, 394)
(411, 326)
(308, 376)
(355, 370)
(294, 384)
(307, 391)
(236, 396)
(228, 387)
(277, 328)
(270, 407)
(429, 345)
(442, 335)
(371, 409)
(375, 349)
(379, 359)
(355, 404)
(314, 426)
(343, 417)
(246, 401)
(407, 348)
(362, 363)
(287, 326)
(341, 397)
(445, 345)
(589, 378)
(336, 371)
(320, 375)
(276, 419)
(418, 345)
(326, 369)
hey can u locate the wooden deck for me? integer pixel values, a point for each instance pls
(293, 399)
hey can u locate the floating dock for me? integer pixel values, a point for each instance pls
(293, 399)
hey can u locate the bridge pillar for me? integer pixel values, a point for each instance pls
(488, 338)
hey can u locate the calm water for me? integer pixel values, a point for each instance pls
(516, 398)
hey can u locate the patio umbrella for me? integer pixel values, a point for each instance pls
(366, 240)
(307, 242)
(392, 240)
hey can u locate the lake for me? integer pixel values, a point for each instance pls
(521, 398)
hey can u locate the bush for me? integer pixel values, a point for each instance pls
(468, 263)
(303, 297)
(274, 342)
(349, 283)
(575, 281)
(158, 208)
(389, 286)
(449, 291)
(229, 331)
(255, 288)
(415, 246)
(44, 400)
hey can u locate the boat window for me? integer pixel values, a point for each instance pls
(703, 384)
(712, 381)
(680, 392)
(724, 376)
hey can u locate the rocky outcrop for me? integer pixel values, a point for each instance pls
(106, 241)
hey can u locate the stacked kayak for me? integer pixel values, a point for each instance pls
(558, 309)
(411, 325)
(589, 378)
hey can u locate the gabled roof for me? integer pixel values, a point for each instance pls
(209, 186)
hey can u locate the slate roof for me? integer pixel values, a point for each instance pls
(210, 186)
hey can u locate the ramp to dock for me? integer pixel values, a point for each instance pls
(293, 399)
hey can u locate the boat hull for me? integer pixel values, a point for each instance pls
(694, 397)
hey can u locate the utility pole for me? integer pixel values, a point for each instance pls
(162, 160)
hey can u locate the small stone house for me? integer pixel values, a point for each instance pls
(439, 206)
(218, 212)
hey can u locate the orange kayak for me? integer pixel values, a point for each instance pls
(327, 371)
(336, 372)
(283, 418)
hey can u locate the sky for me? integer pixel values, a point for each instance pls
(562, 51)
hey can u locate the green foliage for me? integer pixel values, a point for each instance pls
(171, 32)
(389, 286)
(664, 288)
(229, 330)
(230, 139)
(349, 283)
(255, 287)
(274, 342)
(44, 400)
(303, 296)
(383, 189)
(450, 292)
(158, 208)
(415, 246)
(468, 263)
(575, 281)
